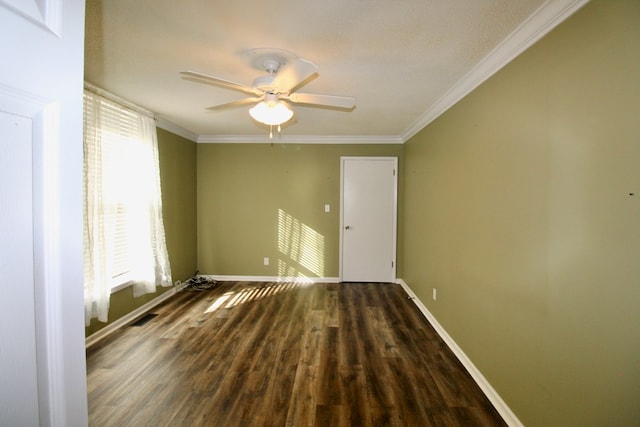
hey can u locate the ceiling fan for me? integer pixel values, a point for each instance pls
(271, 93)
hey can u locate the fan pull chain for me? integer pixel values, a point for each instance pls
(271, 131)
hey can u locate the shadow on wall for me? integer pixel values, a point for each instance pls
(302, 248)
(302, 252)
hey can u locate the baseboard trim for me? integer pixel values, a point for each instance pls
(507, 414)
(276, 279)
(131, 316)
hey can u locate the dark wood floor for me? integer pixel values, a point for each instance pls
(249, 354)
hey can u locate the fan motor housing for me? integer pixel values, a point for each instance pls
(265, 84)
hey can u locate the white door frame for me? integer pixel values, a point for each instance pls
(395, 207)
(43, 41)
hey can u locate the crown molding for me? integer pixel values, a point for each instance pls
(174, 128)
(118, 99)
(542, 21)
(300, 139)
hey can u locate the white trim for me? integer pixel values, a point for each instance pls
(132, 315)
(165, 124)
(546, 18)
(509, 417)
(129, 317)
(51, 332)
(20, 102)
(118, 100)
(300, 139)
(542, 21)
(121, 286)
(47, 15)
(507, 414)
(277, 279)
(48, 264)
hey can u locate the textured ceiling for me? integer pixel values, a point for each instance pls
(405, 61)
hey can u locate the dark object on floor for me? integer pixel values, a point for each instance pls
(143, 319)
(200, 283)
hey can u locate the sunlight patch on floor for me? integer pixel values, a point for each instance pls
(232, 299)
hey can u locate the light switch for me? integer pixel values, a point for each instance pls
(327, 208)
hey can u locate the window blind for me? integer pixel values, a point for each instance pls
(110, 148)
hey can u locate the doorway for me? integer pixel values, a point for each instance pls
(368, 219)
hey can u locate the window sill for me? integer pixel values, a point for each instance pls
(121, 286)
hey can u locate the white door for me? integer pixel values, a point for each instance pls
(42, 362)
(368, 220)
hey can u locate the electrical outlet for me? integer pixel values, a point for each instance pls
(327, 208)
(266, 260)
(435, 294)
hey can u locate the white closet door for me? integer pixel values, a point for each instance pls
(369, 199)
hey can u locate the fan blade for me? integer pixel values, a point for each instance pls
(345, 102)
(293, 74)
(216, 81)
(236, 103)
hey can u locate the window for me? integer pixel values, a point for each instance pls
(123, 227)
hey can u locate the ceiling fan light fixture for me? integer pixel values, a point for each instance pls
(272, 113)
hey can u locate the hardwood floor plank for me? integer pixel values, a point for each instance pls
(329, 390)
(406, 389)
(283, 354)
(333, 308)
(354, 409)
(385, 340)
(303, 402)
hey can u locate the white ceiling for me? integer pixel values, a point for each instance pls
(406, 61)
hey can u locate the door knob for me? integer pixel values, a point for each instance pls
(347, 227)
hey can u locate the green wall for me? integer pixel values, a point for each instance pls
(178, 180)
(515, 204)
(518, 210)
(263, 200)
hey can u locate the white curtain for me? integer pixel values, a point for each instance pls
(123, 226)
